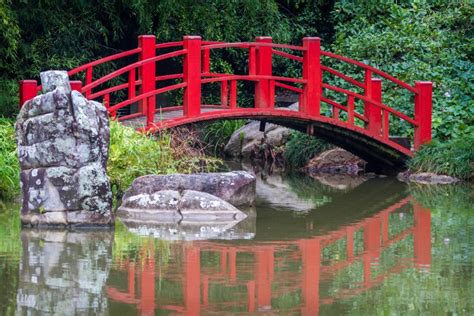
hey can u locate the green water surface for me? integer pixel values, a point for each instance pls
(308, 247)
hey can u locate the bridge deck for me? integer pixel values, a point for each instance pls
(139, 122)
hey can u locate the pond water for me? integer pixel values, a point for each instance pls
(308, 247)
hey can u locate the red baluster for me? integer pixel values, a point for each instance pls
(206, 61)
(88, 80)
(373, 113)
(233, 94)
(147, 74)
(423, 112)
(252, 61)
(192, 76)
(131, 84)
(385, 127)
(264, 68)
(350, 109)
(28, 90)
(312, 74)
(76, 85)
(224, 94)
(335, 113)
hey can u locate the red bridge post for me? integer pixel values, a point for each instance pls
(372, 112)
(312, 91)
(263, 97)
(147, 75)
(423, 112)
(28, 90)
(192, 76)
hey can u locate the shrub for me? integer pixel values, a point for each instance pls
(10, 170)
(453, 158)
(301, 148)
(414, 40)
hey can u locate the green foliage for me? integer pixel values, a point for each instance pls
(301, 148)
(454, 158)
(134, 154)
(218, 133)
(9, 171)
(415, 40)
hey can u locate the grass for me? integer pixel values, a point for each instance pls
(453, 158)
(218, 133)
(10, 169)
(301, 148)
(134, 154)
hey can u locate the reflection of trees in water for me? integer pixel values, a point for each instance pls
(63, 273)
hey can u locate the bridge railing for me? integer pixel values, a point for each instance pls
(136, 83)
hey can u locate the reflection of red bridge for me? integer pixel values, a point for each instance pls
(363, 128)
(265, 273)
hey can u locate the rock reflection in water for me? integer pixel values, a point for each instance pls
(64, 273)
(196, 230)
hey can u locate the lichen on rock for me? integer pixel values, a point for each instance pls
(63, 141)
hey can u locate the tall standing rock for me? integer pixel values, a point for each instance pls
(63, 142)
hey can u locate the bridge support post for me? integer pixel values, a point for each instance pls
(374, 113)
(423, 112)
(312, 91)
(192, 76)
(147, 74)
(263, 95)
(28, 90)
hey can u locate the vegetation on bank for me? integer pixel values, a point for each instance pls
(218, 133)
(131, 155)
(302, 147)
(453, 158)
(10, 169)
(135, 154)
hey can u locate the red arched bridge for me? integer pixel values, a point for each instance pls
(361, 123)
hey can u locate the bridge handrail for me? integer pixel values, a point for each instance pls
(373, 69)
(135, 65)
(371, 101)
(104, 60)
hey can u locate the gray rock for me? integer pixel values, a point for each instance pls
(169, 206)
(63, 141)
(244, 140)
(236, 187)
(335, 161)
(203, 207)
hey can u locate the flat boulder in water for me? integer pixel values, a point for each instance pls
(236, 187)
